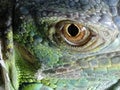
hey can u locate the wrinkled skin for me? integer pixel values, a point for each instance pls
(60, 44)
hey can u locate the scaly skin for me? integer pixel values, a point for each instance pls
(38, 57)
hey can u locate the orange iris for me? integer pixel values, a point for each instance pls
(75, 34)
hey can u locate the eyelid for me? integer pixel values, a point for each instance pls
(96, 41)
(81, 37)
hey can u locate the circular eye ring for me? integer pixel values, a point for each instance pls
(72, 30)
(63, 33)
(72, 35)
(76, 39)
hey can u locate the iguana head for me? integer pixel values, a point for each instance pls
(62, 41)
(63, 47)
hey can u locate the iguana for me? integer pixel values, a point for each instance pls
(60, 45)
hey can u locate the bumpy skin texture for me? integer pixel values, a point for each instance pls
(36, 56)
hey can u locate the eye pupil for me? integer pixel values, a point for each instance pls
(73, 30)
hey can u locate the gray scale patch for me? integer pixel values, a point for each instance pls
(86, 7)
(100, 71)
(104, 61)
(76, 1)
(83, 82)
(93, 63)
(92, 79)
(98, 1)
(106, 19)
(84, 2)
(105, 84)
(112, 70)
(110, 55)
(117, 54)
(72, 68)
(113, 2)
(93, 18)
(92, 2)
(115, 60)
(50, 14)
(97, 7)
(76, 15)
(83, 63)
(72, 4)
(72, 82)
(88, 71)
(113, 11)
(116, 19)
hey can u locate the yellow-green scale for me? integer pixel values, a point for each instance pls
(25, 69)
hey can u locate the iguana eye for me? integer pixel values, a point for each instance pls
(75, 34)
(68, 34)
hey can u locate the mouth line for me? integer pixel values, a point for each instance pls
(75, 73)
